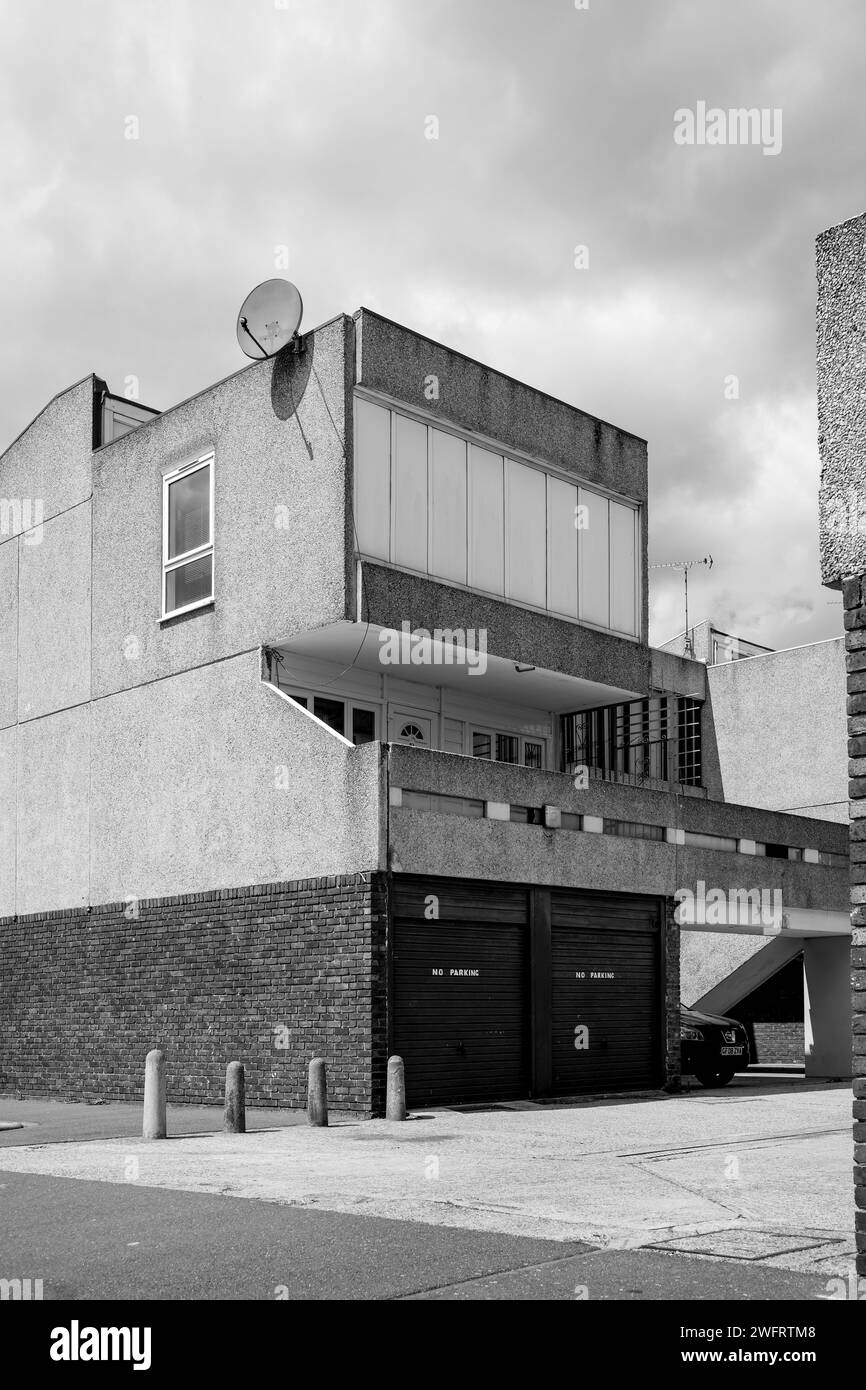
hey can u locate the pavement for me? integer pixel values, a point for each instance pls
(60, 1122)
(105, 1241)
(757, 1175)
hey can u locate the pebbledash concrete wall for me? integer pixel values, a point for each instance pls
(270, 975)
(780, 730)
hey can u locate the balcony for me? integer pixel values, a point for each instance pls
(457, 816)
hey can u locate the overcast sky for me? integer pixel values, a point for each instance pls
(304, 123)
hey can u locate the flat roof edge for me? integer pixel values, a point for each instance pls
(556, 400)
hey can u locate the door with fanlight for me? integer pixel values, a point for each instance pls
(410, 728)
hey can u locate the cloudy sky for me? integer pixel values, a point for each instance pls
(264, 123)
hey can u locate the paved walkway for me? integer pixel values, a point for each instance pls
(760, 1175)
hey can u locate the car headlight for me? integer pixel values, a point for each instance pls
(691, 1035)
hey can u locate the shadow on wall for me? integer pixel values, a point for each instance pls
(289, 380)
(710, 762)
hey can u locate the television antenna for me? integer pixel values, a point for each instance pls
(685, 566)
(269, 318)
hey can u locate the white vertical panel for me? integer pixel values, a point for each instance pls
(623, 601)
(409, 492)
(594, 555)
(372, 478)
(526, 534)
(453, 736)
(561, 547)
(448, 507)
(486, 521)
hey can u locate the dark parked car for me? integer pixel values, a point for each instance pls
(712, 1048)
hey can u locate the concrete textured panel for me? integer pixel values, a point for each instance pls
(425, 770)
(8, 817)
(209, 779)
(392, 597)
(781, 731)
(841, 360)
(427, 843)
(706, 958)
(276, 430)
(54, 616)
(49, 463)
(678, 675)
(8, 632)
(53, 811)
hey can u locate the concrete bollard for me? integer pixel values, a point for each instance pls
(235, 1121)
(395, 1099)
(154, 1095)
(317, 1093)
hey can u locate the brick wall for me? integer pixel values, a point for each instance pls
(776, 1042)
(773, 1016)
(854, 596)
(673, 1067)
(269, 975)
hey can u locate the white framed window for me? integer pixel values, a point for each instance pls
(355, 720)
(187, 537)
(497, 746)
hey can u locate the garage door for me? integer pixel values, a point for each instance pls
(606, 1003)
(460, 992)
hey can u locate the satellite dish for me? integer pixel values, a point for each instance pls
(269, 318)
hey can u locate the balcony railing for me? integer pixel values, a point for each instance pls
(635, 743)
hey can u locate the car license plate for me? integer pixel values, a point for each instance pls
(732, 1052)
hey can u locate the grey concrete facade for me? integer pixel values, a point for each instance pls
(841, 363)
(779, 730)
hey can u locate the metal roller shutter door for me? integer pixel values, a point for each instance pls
(460, 993)
(606, 954)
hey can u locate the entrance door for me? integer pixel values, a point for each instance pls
(415, 730)
(606, 992)
(460, 982)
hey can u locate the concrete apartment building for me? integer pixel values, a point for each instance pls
(841, 359)
(329, 726)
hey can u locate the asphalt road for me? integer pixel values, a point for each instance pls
(90, 1240)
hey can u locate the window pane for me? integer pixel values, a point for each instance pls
(532, 754)
(189, 513)
(331, 712)
(526, 512)
(409, 485)
(594, 560)
(562, 521)
(363, 726)
(482, 745)
(189, 583)
(373, 478)
(623, 556)
(507, 748)
(486, 513)
(448, 515)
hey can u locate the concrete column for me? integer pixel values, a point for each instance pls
(317, 1093)
(827, 1005)
(235, 1121)
(395, 1104)
(154, 1095)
